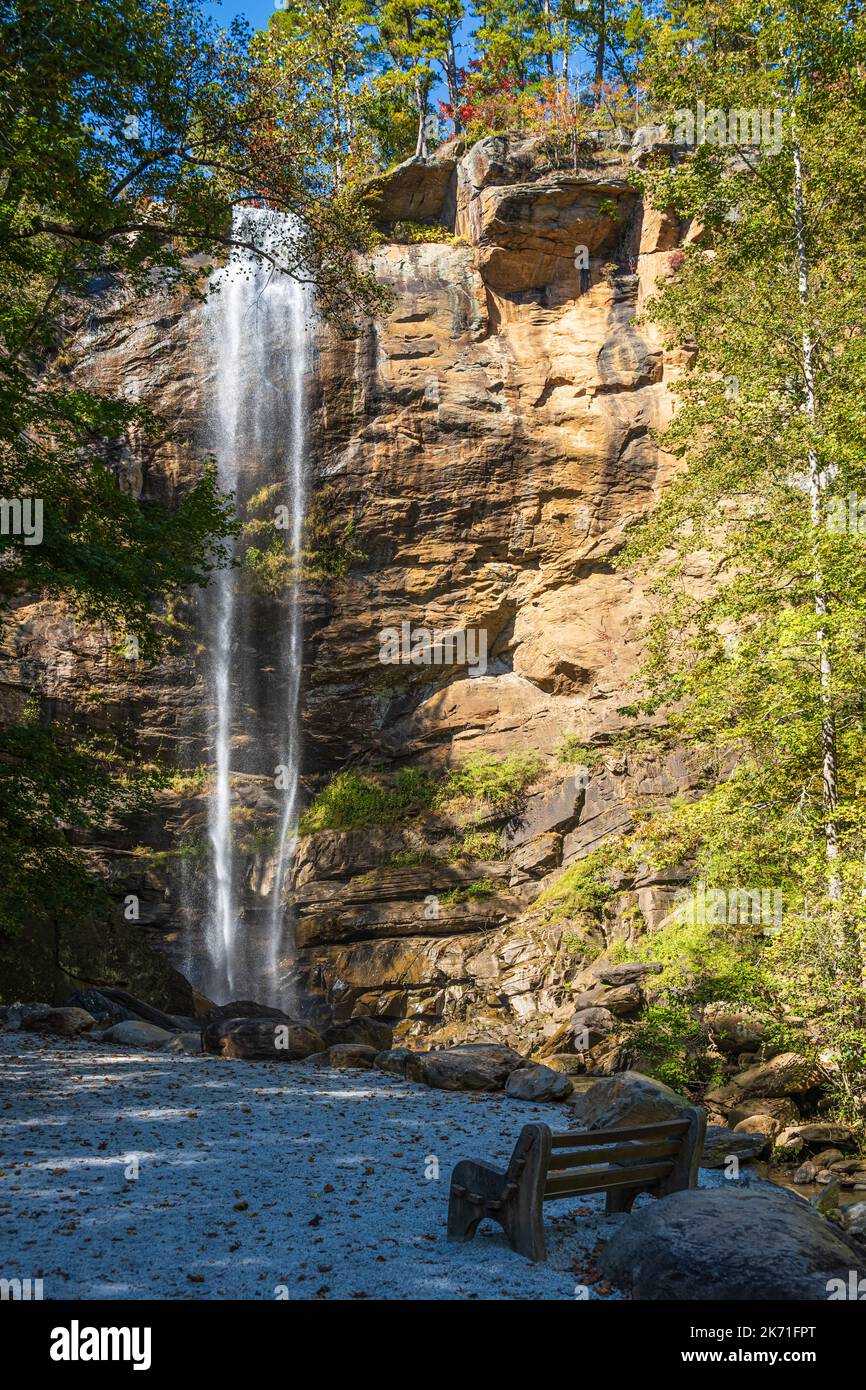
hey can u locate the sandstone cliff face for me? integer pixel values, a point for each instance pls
(489, 439)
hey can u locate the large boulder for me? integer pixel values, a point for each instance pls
(396, 1061)
(721, 1145)
(789, 1074)
(369, 1032)
(623, 999)
(780, 1108)
(626, 1099)
(418, 190)
(816, 1135)
(106, 1011)
(735, 1030)
(253, 1039)
(245, 1008)
(745, 1243)
(469, 1067)
(136, 1033)
(538, 1083)
(65, 1023)
(630, 972)
(350, 1056)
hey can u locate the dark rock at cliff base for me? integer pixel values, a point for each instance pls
(369, 1032)
(626, 1099)
(106, 1011)
(253, 1039)
(245, 1008)
(721, 1145)
(348, 1056)
(396, 1061)
(65, 1023)
(753, 1243)
(537, 1083)
(470, 1067)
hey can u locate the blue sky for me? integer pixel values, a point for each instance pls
(258, 12)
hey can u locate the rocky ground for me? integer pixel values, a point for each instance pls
(128, 1172)
(255, 1180)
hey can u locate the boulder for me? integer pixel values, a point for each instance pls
(623, 999)
(260, 1038)
(731, 1243)
(817, 1135)
(345, 1056)
(629, 973)
(805, 1174)
(538, 1083)
(735, 1030)
(469, 1067)
(759, 1124)
(187, 1043)
(65, 1022)
(16, 1016)
(595, 1020)
(244, 1008)
(395, 1061)
(106, 1011)
(779, 1108)
(415, 191)
(853, 1219)
(135, 1033)
(789, 1074)
(568, 1062)
(626, 1099)
(721, 1144)
(369, 1032)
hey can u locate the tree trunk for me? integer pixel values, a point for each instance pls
(600, 49)
(817, 487)
(451, 79)
(421, 100)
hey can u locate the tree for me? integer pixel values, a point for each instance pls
(761, 661)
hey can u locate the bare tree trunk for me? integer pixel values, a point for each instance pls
(817, 488)
(548, 57)
(451, 79)
(421, 100)
(600, 49)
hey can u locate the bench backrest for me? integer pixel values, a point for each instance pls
(598, 1160)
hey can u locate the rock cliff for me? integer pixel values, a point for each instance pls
(478, 453)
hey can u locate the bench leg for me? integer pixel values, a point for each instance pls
(620, 1199)
(476, 1192)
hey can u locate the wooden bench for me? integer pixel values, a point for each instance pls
(545, 1167)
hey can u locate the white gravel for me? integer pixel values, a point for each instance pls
(256, 1180)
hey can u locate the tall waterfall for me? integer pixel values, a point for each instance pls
(257, 330)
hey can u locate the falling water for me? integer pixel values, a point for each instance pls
(257, 328)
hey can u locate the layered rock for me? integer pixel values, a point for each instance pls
(485, 443)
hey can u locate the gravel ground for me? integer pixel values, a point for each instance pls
(256, 1180)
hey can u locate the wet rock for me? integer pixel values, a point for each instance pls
(265, 1038)
(805, 1174)
(537, 1083)
(828, 1200)
(187, 1043)
(752, 1243)
(16, 1016)
(853, 1219)
(244, 1008)
(105, 1011)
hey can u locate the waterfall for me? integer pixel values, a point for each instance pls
(257, 326)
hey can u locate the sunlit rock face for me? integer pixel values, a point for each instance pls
(484, 444)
